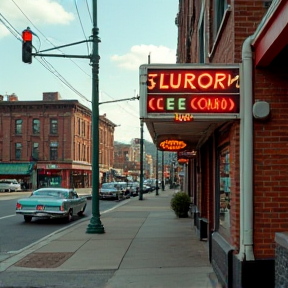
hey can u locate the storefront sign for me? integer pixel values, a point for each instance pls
(181, 117)
(186, 154)
(190, 89)
(172, 145)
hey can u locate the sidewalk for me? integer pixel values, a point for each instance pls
(144, 245)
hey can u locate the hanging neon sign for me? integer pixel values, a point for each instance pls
(172, 145)
(181, 117)
(200, 90)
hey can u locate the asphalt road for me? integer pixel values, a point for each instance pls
(16, 234)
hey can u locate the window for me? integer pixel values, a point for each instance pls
(18, 126)
(224, 190)
(18, 151)
(36, 126)
(35, 151)
(53, 126)
(54, 151)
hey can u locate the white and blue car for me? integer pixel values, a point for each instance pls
(51, 203)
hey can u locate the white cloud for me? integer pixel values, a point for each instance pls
(40, 12)
(138, 55)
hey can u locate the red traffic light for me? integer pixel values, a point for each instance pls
(27, 46)
(27, 35)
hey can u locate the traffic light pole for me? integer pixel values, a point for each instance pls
(95, 225)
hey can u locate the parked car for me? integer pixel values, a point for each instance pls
(134, 188)
(9, 185)
(114, 190)
(51, 203)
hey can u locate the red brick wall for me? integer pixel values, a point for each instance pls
(271, 160)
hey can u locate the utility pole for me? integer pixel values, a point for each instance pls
(141, 159)
(163, 169)
(95, 225)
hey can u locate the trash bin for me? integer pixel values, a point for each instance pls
(203, 227)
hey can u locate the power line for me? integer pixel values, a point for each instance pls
(48, 39)
(75, 1)
(44, 62)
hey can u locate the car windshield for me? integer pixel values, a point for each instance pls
(108, 186)
(51, 193)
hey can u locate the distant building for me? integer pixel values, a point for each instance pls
(48, 143)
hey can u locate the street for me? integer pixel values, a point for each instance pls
(16, 234)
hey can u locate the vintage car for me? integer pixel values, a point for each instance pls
(51, 203)
(114, 190)
(9, 185)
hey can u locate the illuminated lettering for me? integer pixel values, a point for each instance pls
(160, 104)
(218, 80)
(182, 103)
(170, 104)
(175, 86)
(151, 81)
(210, 82)
(198, 80)
(189, 78)
(172, 145)
(179, 117)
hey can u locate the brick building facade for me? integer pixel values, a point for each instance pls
(48, 143)
(238, 180)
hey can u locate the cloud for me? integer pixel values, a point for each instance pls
(40, 12)
(138, 55)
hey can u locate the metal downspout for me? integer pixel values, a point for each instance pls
(246, 142)
(247, 157)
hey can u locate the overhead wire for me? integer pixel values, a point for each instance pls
(46, 64)
(48, 39)
(79, 18)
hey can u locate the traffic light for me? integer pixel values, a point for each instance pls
(27, 46)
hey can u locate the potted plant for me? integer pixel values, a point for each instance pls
(180, 203)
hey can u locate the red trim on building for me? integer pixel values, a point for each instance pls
(273, 38)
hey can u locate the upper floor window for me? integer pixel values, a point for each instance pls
(54, 151)
(79, 126)
(18, 126)
(53, 126)
(35, 151)
(18, 151)
(36, 126)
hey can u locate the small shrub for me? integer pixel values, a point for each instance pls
(180, 203)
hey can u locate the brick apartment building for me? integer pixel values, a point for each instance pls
(48, 143)
(239, 178)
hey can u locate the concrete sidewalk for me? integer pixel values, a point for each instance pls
(144, 245)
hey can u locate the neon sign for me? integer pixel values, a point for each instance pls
(186, 154)
(192, 104)
(180, 117)
(198, 90)
(172, 145)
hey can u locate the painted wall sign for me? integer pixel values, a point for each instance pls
(202, 89)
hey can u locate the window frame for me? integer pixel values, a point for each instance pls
(17, 132)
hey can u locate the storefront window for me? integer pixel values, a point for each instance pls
(225, 183)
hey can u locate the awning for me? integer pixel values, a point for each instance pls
(16, 168)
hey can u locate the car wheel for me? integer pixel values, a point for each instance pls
(27, 219)
(69, 216)
(80, 213)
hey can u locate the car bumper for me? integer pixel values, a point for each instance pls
(43, 214)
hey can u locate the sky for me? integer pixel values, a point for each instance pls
(129, 30)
